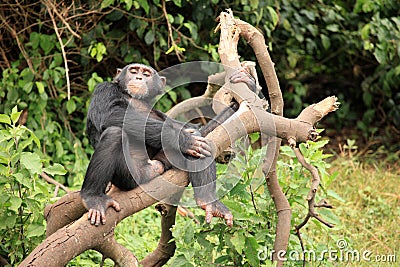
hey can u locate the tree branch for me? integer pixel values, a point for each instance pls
(311, 195)
(165, 249)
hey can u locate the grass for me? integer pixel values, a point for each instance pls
(371, 211)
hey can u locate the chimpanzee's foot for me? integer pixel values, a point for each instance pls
(243, 76)
(216, 209)
(97, 206)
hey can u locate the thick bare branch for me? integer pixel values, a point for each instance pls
(165, 249)
(214, 83)
(257, 42)
(121, 256)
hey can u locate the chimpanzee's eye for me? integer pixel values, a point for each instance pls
(133, 70)
(147, 73)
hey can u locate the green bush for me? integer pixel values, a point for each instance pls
(250, 241)
(23, 194)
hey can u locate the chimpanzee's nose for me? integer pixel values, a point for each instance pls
(139, 78)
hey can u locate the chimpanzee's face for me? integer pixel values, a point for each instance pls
(140, 81)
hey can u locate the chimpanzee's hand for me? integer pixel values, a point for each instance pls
(216, 209)
(97, 206)
(194, 144)
(243, 76)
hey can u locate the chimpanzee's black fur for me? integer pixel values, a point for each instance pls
(111, 132)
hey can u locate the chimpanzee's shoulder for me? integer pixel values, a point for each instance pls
(106, 88)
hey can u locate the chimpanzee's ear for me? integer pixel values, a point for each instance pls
(117, 74)
(163, 81)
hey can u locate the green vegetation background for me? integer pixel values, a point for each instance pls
(346, 48)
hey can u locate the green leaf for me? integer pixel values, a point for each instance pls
(106, 3)
(55, 169)
(180, 260)
(254, 137)
(34, 137)
(170, 18)
(149, 37)
(326, 42)
(59, 149)
(15, 114)
(31, 162)
(34, 39)
(15, 203)
(40, 87)
(192, 29)
(189, 234)
(380, 56)
(28, 87)
(254, 3)
(8, 221)
(5, 119)
(238, 241)
(173, 96)
(71, 106)
(333, 28)
(274, 16)
(128, 4)
(237, 208)
(329, 216)
(251, 247)
(145, 5)
(365, 31)
(4, 170)
(93, 81)
(178, 3)
(101, 48)
(34, 230)
(25, 181)
(93, 51)
(333, 194)
(172, 48)
(303, 149)
(46, 43)
(179, 19)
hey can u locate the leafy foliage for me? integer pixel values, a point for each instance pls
(350, 50)
(250, 241)
(23, 194)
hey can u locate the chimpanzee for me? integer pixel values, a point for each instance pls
(111, 132)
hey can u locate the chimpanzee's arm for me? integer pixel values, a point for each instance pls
(107, 101)
(169, 134)
(106, 165)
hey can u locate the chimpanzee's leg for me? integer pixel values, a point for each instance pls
(204, 181)
(107, 165)
(99, 173)
(204, 186)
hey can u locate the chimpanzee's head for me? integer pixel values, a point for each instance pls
(140, 81)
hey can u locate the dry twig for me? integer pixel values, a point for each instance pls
(62, 46)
